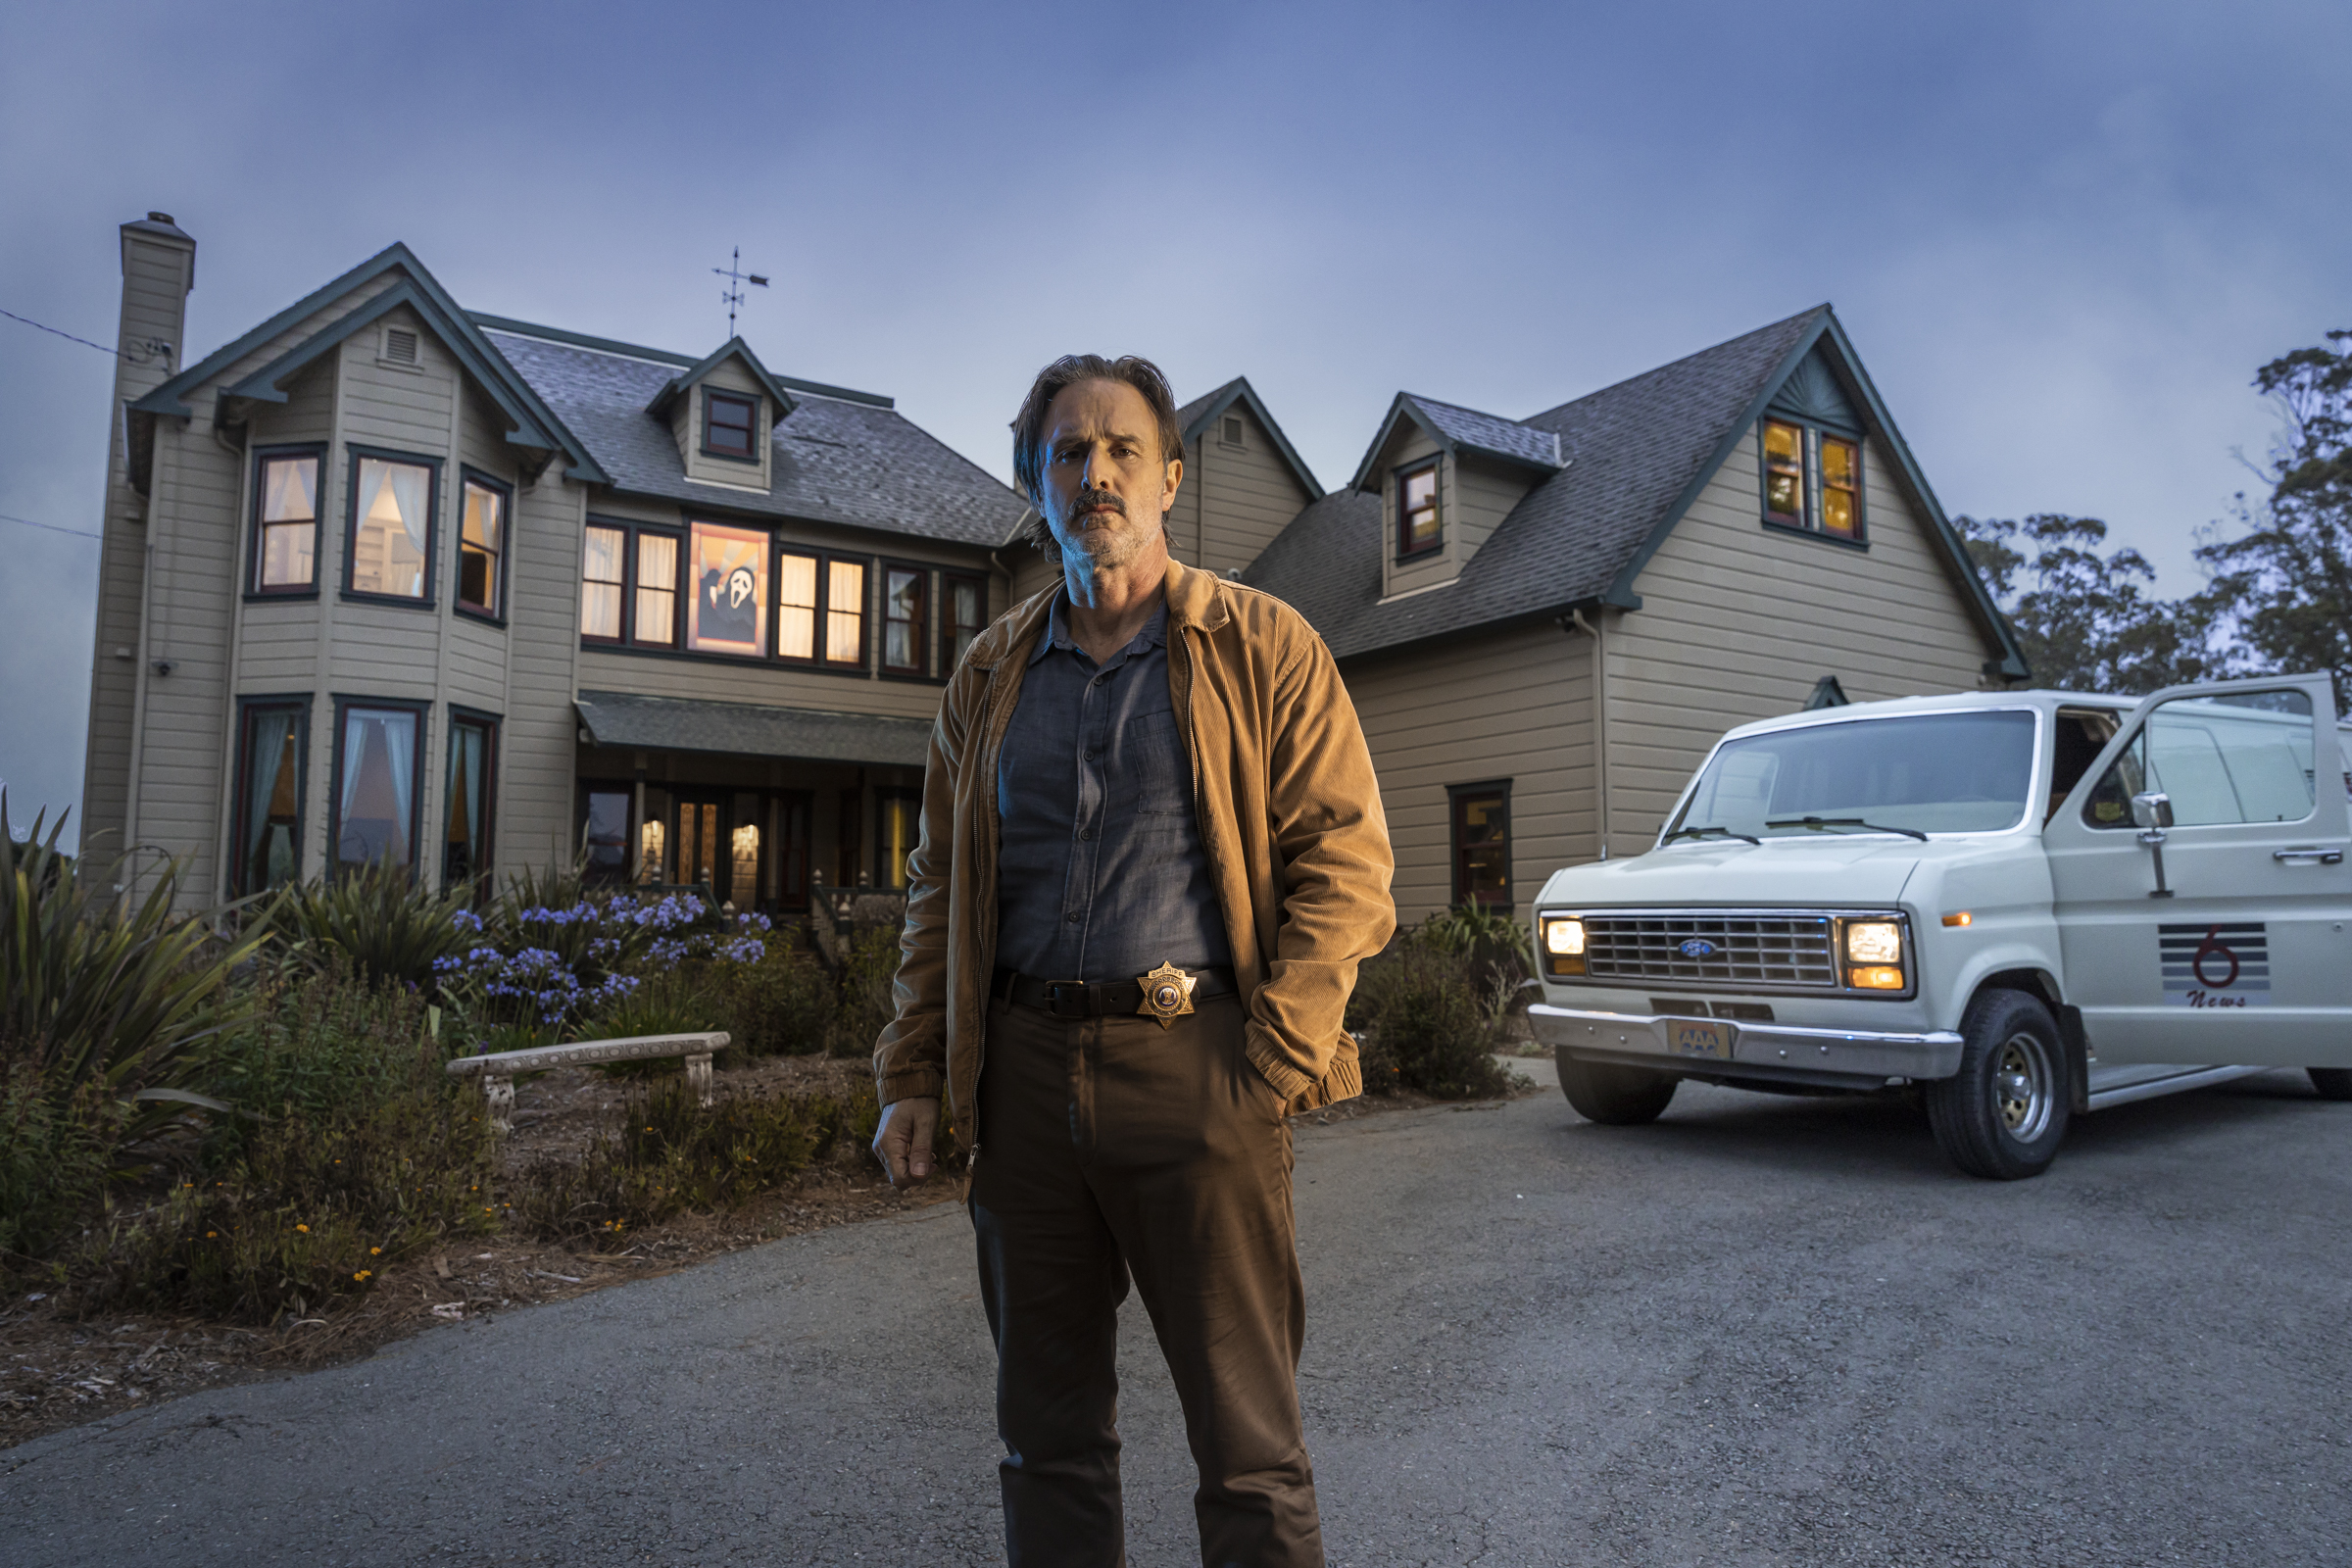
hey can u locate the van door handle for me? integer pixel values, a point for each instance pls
(2309, 856)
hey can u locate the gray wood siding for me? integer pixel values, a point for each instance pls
(537, 738)
(1244, 495)
(1515, 705)
(1032, 572)
(1484, 494)
(1739, 621)
(775, 685)
(156, 275)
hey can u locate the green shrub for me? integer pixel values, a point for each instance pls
(783, 1005)
(98, 995)
(364, 1149)
(1427, 1026)
(54, 1158)
(1499, 950)
(867, 1004)
(381, 919)
(663, 1154)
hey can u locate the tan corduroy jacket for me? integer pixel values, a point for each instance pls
(1290, 815)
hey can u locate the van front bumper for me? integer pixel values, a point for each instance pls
(1843, 1058)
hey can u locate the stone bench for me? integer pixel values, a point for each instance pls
(496, 1071)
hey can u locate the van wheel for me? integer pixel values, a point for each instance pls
(2003, 1114)
(2332, 1083)
(1614, 1096)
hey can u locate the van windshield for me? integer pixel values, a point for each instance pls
(1956, 772)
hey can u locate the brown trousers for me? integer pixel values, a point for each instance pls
(1111, 1147)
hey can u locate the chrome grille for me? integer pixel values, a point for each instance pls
(1747, 949)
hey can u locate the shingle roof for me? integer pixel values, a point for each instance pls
(1488, 432)
(1634, 451)
(837, 459)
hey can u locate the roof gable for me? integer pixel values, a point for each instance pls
(1814, 393)
(734, 348)
(1636, 454)
(1197, 416)
(535, 423)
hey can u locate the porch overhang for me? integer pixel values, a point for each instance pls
(751, 729)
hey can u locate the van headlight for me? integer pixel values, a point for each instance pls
(1563, 941)
(1874, 956)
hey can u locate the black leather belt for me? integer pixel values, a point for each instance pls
(1079, 999)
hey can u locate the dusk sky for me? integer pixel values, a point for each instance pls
(2061, 237)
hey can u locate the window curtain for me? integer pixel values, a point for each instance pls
(378, 786)
(292, 491)
(408, 494)
(264, 760)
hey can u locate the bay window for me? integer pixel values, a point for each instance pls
(374, 802)
(482, 547)
(965, 618)
(388, 552)
(469, 800)
(272, 741)
(285, 526)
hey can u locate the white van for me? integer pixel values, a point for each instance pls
(2031, 905)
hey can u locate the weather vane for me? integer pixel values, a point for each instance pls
(732, 295)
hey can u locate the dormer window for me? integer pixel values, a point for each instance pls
(730, 423)
(1812, 480)
(1419, 529)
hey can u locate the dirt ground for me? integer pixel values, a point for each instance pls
(57, 1371)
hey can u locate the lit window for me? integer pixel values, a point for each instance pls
(905, 590)
(465, 841)
(967, 617)
(1482, 845)
(728, 422)
(481, 547)
(657, 591)
(898, 822)
(730, 590)
(392, 527)
(602, 572)
(285, 552)
(845, 613)
(796, 606)
(1418, 528)
(1785, 473)
(270, 794)
(1840, 488)
(375, 787)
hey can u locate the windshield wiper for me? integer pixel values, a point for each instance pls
(1845, 821)
(1694, 832)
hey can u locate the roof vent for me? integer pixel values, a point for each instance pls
(400, 346)
(161, 217)
(1233, 429)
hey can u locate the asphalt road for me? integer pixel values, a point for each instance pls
(1763, 1331)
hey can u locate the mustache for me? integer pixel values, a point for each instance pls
(1092, 497)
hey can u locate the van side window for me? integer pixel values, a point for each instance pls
(2244, 756)
(2076, 741)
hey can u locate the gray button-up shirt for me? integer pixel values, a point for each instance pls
(1102, 874)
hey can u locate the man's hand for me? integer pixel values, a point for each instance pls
(903, 1143)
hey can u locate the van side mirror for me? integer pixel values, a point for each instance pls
(2152, 811)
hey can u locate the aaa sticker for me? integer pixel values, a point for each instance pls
(2226, 965)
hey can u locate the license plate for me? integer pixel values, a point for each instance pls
(1704, 1038)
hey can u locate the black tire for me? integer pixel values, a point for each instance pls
(2004, 1113)
(2332, 1083)
(1614, 1096)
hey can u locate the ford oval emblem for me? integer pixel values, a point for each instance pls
(1699, 947)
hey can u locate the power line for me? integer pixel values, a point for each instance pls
(78, 533)
(148, 350)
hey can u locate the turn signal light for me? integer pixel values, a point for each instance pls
(1875, 977)
(1962, 918)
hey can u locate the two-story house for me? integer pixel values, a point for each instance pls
(386, 579)
(1545, 623)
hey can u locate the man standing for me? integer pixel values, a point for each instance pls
(1153, 856)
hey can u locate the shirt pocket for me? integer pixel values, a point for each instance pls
(1151, 769)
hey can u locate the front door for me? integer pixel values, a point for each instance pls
(699, 842)
(2245, 956)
